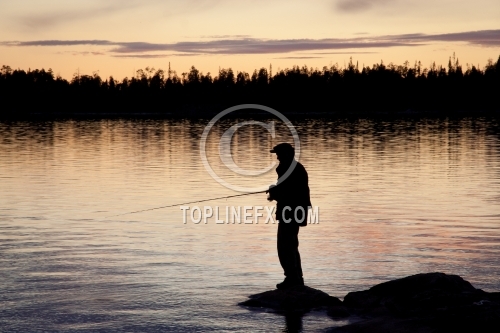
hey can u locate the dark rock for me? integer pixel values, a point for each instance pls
(298, 299)
(385, 325)
(415, 295)
(424, 302)
(421, 303)
(338, 312)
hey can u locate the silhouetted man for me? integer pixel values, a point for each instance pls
(292, 196)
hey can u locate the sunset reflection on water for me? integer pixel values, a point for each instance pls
(396, 197)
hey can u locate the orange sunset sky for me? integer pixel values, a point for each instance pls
(117, 37)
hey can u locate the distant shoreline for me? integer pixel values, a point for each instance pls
(377, 91)
(204, 114)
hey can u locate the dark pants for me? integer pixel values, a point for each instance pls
(288, 249)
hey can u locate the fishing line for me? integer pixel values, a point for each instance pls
(186, 203)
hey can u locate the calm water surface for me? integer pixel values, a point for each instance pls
(396, 198)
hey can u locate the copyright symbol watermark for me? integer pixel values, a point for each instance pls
(225, 147)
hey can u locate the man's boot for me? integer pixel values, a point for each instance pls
(290, 283)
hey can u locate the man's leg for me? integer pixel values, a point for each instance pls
(288, 252)
(298, 264)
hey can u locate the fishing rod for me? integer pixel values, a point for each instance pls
(187, 203)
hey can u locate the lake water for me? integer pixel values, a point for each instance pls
(396, 197)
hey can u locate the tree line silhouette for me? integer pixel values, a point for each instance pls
(379, 88)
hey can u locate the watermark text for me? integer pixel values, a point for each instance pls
(248, 215)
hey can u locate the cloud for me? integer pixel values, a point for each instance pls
(84, 53)
(253, 46)
(225, 36)
(348, 52)
(55, 42)
(358, 5)
(147, 56)
(54, 13)
(299, 58)
(266, 46)
(231, 46)
(53, 18)
(481, 37)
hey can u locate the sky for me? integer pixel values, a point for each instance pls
(118, 37)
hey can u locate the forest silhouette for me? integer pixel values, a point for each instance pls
(379, 88)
